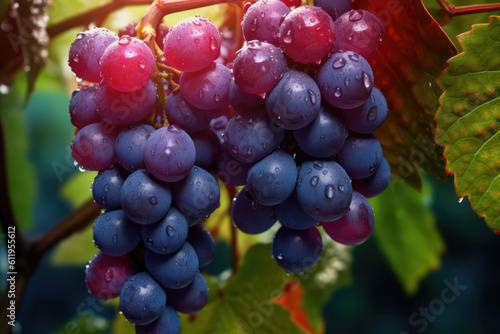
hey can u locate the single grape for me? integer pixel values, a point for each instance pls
(173, 271)
(243, 101)
(168, 323)
(86, 50)
(142, 300)
(231, 171)
(203, 244)
(271, 180)
(167, 235)
(197, 194)
(294, 102)
(115, 234)
(375, 184)
(169, 153)
(83, 107)
(129, 146)
(359, 31)
(307, 34)
(93, 146)
(251, 217)
(297, 251)
(262, 21)
(145, 199)
(324, 137)
(368, 117)
(291, 214)
(334, 8)
(107, 186)
(127, 64)
(190, 299)
(187, 117)
(192, 44)
(324, 189)
(251, 136)
(360, 156)
(258, 67)
(125, 108)
(207, 88)
(345, 80)
(105, 275)
(356, 226)
(208, 147)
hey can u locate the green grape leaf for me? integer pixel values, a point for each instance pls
(77, 189)
(244, 304)
(332, 272)
(469, 120)
(406, 233)
(414, 52)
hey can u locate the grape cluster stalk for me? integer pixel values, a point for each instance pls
(169, 116)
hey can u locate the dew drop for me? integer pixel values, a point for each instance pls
(367, 80)
(355, 15)
(354, 57)
(329, 191)
(339, 63)
(149, 242)
(142, 64)
(108, 275)
(314, 181)
(372, 114)
(318, 165)
(170, 231)
(125, 40)
(337, 92)
(312, 96)
(115, 238)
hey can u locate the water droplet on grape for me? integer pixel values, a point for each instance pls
(170, 231)
(354, 57)
(153, 200)
(142, 64)
(318, 165)
(329, 191)
(314, 181)
(355, 15)
(125, 40)
(288, 39)
(337, 92)
(339, 63)
(347, 81)
(312, 96)
(108, 276)
(367, 80)
(372, 114)
(115, 238)
(149, 242)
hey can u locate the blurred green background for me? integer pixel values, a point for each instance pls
(423, 242)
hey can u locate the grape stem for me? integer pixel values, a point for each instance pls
(452, 10)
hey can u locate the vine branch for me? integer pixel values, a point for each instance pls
(452, 10)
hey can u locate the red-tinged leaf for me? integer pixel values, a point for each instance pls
(469, 119)
(414, 52)
(25, 40)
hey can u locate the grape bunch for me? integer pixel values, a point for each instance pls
(306, 108)
(152, 184)
(288, 119)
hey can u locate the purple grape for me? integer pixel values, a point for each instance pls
(168, 323)
(243, 101)
(169, 153)
(251, 217)
(142, 300)
(368, 117)
(145, 199)
(356, 226)
(127, 64)
(324, 137)
(125, 108)
(345, 80)
(307, 34)
(105, 275)
(93, 146)
(115, 234)
(262, 21)
(86, 51)
(129, 146)
(208, 88)
(258, 67)
(107, 186)
(251, 136)
(324, 190)
(297, 251)
(203, 244)
(190, 299)
(360, 156)
(187, 117)
(291, 214)
(208, 147)
(83, 108)
(231, 171)
(192, 44)
(166, 269)
(359, 31)
(271, 180)
(334, 8)
(167, 235)
(375, 184)
(198, 194)
(294, 102)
